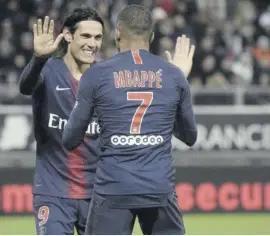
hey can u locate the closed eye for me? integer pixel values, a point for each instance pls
(97, 37)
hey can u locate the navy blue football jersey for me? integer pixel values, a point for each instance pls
(59, 172)
(140, 100)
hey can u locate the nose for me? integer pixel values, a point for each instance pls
(91, 42)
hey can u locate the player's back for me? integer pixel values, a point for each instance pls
(136, 102)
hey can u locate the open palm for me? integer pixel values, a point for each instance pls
(183, 55)
(44, 43)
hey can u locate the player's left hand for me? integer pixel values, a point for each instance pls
(183, 54)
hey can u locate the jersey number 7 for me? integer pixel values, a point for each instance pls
(146, 100)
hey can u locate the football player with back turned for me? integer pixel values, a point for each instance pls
(140, 100)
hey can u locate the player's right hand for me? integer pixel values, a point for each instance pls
(44, 43)
(183, 55)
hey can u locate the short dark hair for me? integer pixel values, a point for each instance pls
(76, 16)
(135, 20)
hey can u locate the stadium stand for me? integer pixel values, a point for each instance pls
(232, 39)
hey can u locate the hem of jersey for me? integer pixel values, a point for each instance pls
(135, 206)
(81, 197)
(129, 192)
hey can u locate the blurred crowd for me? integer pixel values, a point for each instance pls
(231, 37)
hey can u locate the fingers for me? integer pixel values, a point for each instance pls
(58, 40)
(191, 52)
(168, 56)
(46, 28)
(39, 26)
(183, 43)
(35, 30)
(46, 25)
(51, 27)
(187, 46)
(178, 46)
(183, 46)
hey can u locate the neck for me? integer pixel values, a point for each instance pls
(126, 45)
(75, 68)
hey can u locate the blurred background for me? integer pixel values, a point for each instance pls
(227, 171)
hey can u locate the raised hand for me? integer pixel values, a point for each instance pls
(44, 43)
(183, 55)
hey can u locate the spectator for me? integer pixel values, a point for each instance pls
(232, 37)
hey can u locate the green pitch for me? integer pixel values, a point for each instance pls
(195, 224)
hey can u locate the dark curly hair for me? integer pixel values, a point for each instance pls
(77, 15)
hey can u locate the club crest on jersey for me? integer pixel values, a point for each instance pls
(56, 122)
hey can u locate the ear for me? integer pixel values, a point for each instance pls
(67, 35)
(117, 34)
(152, 37)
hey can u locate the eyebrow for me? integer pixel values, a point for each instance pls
(88, 34)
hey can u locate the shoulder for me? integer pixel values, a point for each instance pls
(168, 66)
(175, 72)
(91, 76)
(178, 75)
(108, 62)
(93, 70)
(98, 69)
(171, 67)
(51, 65)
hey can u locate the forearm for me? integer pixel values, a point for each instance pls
(30, 76)
(76, 126)
(185, 128)
(82, 112)
(72, 137)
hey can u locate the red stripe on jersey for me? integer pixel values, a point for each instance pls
(76, 176)
(136, 56)
(77, 181)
